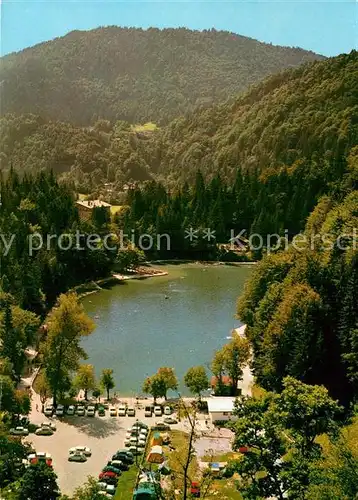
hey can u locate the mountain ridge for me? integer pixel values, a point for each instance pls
(155, 75)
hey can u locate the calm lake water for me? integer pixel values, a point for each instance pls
(138, 329)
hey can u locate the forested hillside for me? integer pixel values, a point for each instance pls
(304, 119)
(277, 148)
(136, 75)
(301, 304)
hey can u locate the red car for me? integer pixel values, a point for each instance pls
(107, 474)
(195, 489)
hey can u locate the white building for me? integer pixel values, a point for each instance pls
(220, 408)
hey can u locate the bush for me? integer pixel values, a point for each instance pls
(32, 428)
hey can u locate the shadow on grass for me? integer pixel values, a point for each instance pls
(95, 427)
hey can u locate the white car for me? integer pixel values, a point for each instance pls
(60, 411)
(52, 425)
(162, 426)
(111, 489)
(71, 410)
(167, 410)
(102, 485)
(91, 411)
(113, 411)
(170, 420)
(80, 411)
(19, 431)
(81, 449)
(77, 457)
(44, 430)
(136, 450)
(122, 410)
(139, 425)
(137, 441)
(131, 412)
(49, 409)
(39, 456)
(158, 411)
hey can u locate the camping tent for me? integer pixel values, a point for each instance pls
(157, 439)
(145, 491)
(155, 456)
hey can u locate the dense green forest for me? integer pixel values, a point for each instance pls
(289, 138)
(282, 158)
(136, 75)
(34, 269)
(301, 305)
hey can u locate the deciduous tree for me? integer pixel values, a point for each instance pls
(167, 375)
(67, 325)
(155, 386)
(107, 380)
(39, 482)
(279, 435)
(196, 380)
(89, 491)
(85, 379)
(43, 388)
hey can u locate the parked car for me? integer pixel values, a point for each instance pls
(50, 424)
(124, 456)
(60, 411)
(110, 480)
(118, 464)
(77, 457)
(110, 468)
(167, 410)
(81, 449)
(161, 426)
(111, 489)
(91, 411)
(104, 475)
(80, 411)
(102, 485)
(40, 456)
(22, 421)
(131, 412)
(44, 430)
(19, 431)
(136, 440)
(48, 411)
(140, 424)
(113, 411)
(101, 411)
(195, 489)
(136, 450)
(136, 431)
(71, 410)
(170, 420)
(122, 410)
(148, 410)
(158, 411)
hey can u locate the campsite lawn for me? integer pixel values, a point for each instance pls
(126, 484)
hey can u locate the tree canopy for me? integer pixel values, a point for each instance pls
(67, 324)
(136, 75)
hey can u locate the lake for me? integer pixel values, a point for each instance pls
(176, 320)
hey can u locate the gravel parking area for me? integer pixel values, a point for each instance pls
(104, 435)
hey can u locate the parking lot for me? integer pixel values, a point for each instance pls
(104, 435)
